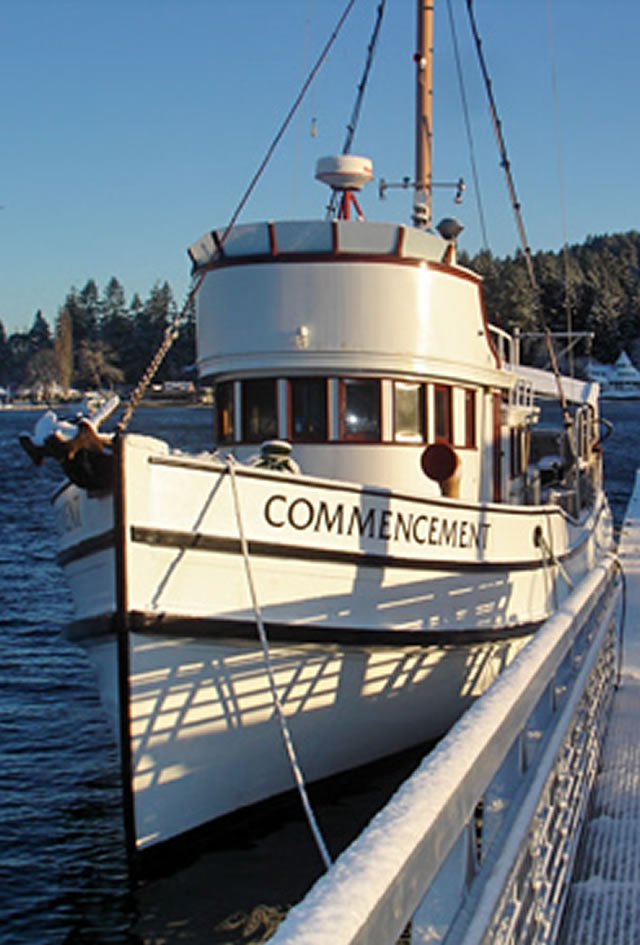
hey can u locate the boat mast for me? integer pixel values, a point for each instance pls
(424, 114)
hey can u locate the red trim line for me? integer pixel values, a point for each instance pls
(335, 237)
(273, 242)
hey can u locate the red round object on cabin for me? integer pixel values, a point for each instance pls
(439, 462)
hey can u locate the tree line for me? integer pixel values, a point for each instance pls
(100, 341)
(593, 287)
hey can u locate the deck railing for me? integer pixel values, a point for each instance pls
(477, 845)
(506, 346)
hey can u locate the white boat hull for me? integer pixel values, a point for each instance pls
(386, 616)
(205, 740)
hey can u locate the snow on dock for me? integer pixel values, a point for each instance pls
(604, 903)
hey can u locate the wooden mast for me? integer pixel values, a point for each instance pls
(424, 114)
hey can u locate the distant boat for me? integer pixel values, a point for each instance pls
(381, 497)
(618, 381)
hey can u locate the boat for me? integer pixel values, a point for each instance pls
(617, 381)
(383, 505)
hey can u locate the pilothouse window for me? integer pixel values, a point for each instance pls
(444, 413)
(225, 420)
(409, 412)
(308, 408)
(359, 409)
(470, 418)
(259, 410)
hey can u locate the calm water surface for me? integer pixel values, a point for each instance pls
(62, 869)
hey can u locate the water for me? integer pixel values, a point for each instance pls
(62, 869)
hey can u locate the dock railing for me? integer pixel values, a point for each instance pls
(478, 844)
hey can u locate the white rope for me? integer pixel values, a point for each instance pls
(284, 728)
(547, 550)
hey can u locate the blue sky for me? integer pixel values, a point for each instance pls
(131, 127)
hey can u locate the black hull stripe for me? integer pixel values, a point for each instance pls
(165, 538)
(245, 630)
(263, 549)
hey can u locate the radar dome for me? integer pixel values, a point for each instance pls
(344, 171)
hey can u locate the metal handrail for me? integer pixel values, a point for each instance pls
(505, 345)
(424, 858)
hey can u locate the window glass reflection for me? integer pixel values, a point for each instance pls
(444, 417)
(408, 412)
(308, 404)
(259, 412)
(359, 409)
(225, 421)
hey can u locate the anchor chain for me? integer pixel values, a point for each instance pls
(171, 332)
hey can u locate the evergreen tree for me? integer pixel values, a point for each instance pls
(39, 334)
(19, 351)
(181, 359)
(98, 365)
(83, 309)
(116, 324)
(42, 373)
(149, 326)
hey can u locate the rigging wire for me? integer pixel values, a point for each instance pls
(504, 160)
(563, 208)
(355, 114)
(465, 109)
(173, 328)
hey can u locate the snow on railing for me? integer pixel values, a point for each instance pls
(476, 846)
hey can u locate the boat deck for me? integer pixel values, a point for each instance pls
(603, 905)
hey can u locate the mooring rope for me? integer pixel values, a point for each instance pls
(551, 555)
(173, 329)
(284, 728)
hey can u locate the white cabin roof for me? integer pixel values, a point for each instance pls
(314, 237)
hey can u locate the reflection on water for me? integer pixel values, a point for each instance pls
(239, 893)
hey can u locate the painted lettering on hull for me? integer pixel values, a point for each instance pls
(381, 524)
